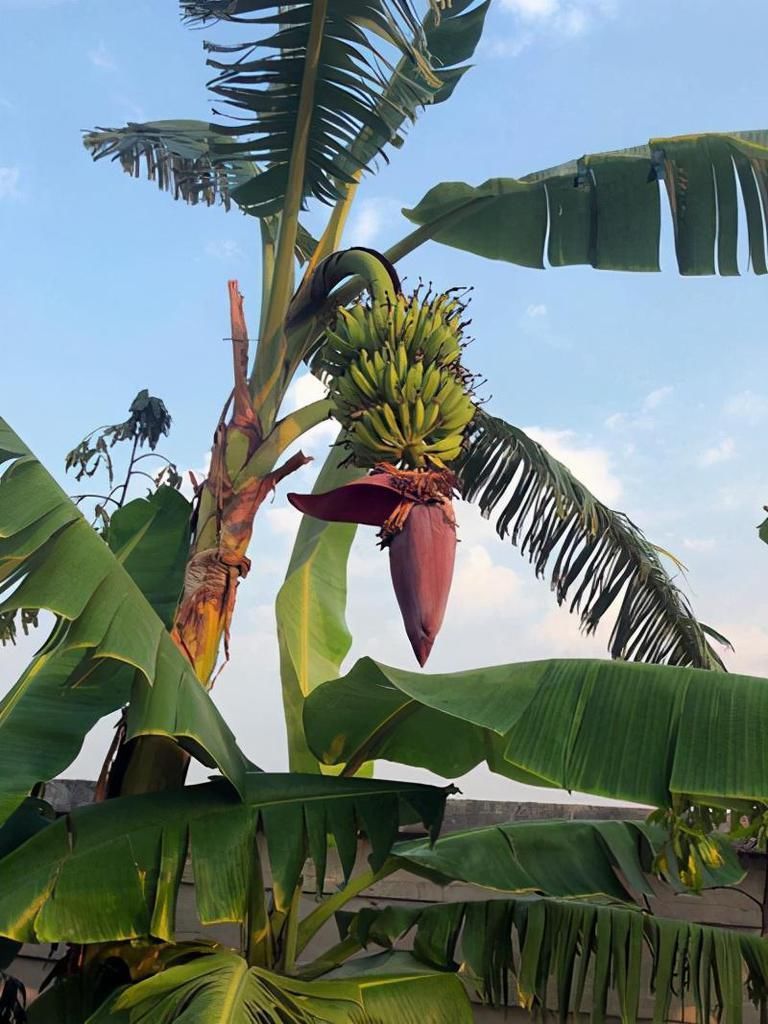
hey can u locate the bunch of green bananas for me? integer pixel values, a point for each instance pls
(400, 389)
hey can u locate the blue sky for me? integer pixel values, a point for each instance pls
(652, 387)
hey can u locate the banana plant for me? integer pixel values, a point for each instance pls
(106, 878)
(317, 93)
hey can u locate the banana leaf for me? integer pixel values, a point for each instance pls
(221, 986)
(27, 820)
(600, 558)
(310, 609)
(150, 537)
(450, 40)
(193, 160)
(546, 953)
(612, 859)
(106, 641)
(643, 733)
(604, 210)
(307, 89)
(202, 162)
(112, 870)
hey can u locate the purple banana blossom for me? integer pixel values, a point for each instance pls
(421, 535)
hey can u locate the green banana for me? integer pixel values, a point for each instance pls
(385, 426)
(413, 381)
(445, 446)
(418, 415)
(395, 377)
(431, 413)
(391, 420)
(369, 439)
(430, 384)
(391, 383)
(361, 381)
(402, 363)
(404, 412)
(368, 368)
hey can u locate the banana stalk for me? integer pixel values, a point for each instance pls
(241, 476)
(405, 403)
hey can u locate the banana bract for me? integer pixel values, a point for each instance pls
(414, 513)
(400, 390)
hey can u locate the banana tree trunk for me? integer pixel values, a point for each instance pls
(218, 560)
(241, 476)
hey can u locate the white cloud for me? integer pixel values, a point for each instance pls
(481, 585)
(224, 249)
(654, 399)
(750, 647)
(747, 406)
(722, 452)
(9, 182)
(303, 391)
(536, 322)
(566, 18)
(557, 634)
(532, 9)
(589, 464)
(512, 46)
(283, 521)
(574, 22)
(699, 543)
(642, 419)
(615, 421)
(373, 219)
(101, 58)
(200, 472)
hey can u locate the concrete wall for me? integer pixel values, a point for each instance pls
(723, 907)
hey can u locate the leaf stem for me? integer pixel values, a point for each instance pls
(330, 240)
(270, 353)
(368, 748)
(291, 930)
(314, 921)
(267, 271)
(332, 957)
(258, 940)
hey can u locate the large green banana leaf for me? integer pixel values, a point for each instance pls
(617, 729)
(543, 953)
(200, 162)
(150, 537)
(221, 986)
(107, 639)
(310, 609)
(112, 870)
(194, 160)
(191, 159)
(604, 210)
(600, 556)
(27, 820)
(307, 90)
(562, 858)
(450, 40)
